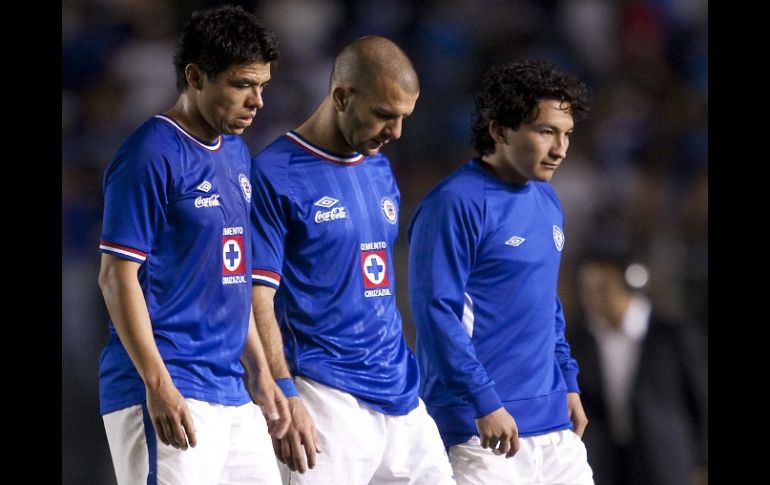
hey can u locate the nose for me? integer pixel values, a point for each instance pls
(393, 129)
(560, 145)
(254, 100)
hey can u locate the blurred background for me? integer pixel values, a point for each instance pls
(635, 180)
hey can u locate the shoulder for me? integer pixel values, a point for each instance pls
(277, 155)
(662, 325)
(147, 149)
(271, 164)
(155, 136)
(457, 201)
(379, 161)
(233, 146)
(235, 142)
(547, 193)
(672, 330)
(463, 188)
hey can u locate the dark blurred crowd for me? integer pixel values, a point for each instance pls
(635, 180)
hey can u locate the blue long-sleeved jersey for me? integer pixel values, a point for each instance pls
(484, 258)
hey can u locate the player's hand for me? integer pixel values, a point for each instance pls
(301, 435)
(576, 413)
(170, 416)
(498, 431)
(268, 396)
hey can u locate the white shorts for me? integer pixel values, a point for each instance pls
(557, 458)
(233, 448)
(361, 446)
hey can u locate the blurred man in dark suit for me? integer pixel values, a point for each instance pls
(644, 382)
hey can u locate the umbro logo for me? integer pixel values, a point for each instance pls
(515, 241)
(205, 186)
(326, 202)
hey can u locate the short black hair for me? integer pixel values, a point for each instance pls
(221, 37)
(510, 94)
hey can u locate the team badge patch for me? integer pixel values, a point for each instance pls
(558, 238)
(389, 209)
(245, 186)
(233, 260)
(375, 268)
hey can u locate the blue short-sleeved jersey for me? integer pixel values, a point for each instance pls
(323, 227)
(179, 207)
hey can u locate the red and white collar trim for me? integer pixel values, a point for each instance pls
(176, 125)
(319, 152)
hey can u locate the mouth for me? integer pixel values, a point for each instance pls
(550, 166)
(379, 144)
(244, 121)
(374, 145)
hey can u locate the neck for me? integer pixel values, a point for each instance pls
(617, 309)
(321, 129)
(185, 112)
(502, 170)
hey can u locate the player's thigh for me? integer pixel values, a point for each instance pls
(474, 465)
(565, 460)
(351, 436)
(130, 446)
(554, 458)
(140, 458)
(250, 459)
(415, 452)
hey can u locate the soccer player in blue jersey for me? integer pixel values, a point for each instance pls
(175, 275)
(485, 246)
(324, 221)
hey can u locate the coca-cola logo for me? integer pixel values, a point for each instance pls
(331, 215)
(210, 201)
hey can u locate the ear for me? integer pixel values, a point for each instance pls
(497, 132)
(194, 76)
(340, 97)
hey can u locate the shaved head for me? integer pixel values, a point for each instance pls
(371, 59)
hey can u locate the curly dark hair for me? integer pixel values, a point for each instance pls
(510, 94)
(221, 37)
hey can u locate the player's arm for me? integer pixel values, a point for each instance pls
(261, 385)
(125, 302)
(302, 432)
(569, 369)
(270, 213)
(442, 241)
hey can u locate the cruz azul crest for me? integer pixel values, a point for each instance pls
(558, 238)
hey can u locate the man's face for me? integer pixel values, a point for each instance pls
(601, 286)
(231, 100)
(536, 149)
(372, 117)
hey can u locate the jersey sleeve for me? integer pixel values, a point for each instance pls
(568, 365)
(135, 203)
(443, 238)
(270, 211)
